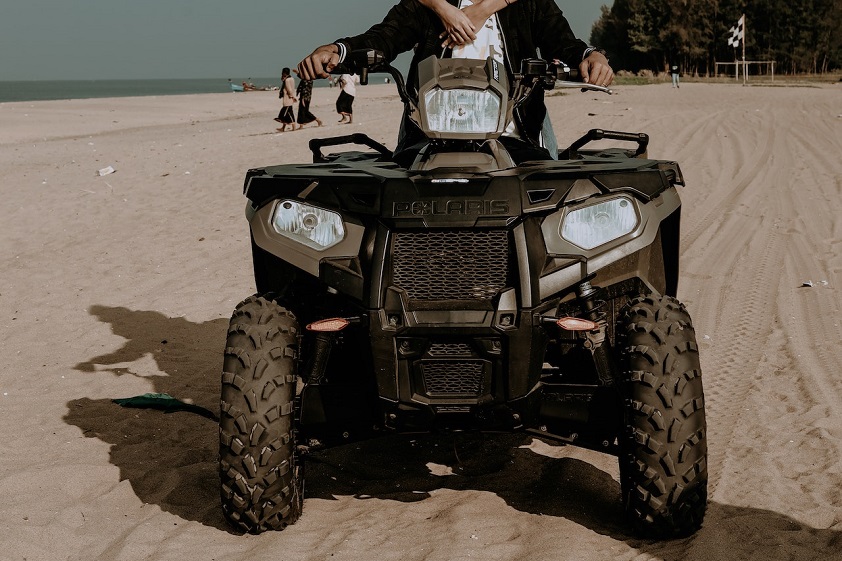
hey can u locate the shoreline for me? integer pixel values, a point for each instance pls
(119, 88)
(14, 91)
(25, 121)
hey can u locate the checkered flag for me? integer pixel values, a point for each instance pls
(737, 33)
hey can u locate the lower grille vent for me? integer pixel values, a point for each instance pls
(451, 378)
(449, 350)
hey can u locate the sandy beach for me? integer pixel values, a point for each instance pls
(117, 285)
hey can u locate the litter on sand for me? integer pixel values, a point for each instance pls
(105, 171)
(164, 402)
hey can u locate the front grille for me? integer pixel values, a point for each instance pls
(451, 264)
(450, 378)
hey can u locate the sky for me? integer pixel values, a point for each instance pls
(140, 39)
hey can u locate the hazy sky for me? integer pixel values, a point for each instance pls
(100, 39)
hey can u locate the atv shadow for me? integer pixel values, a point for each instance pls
(401, 468)
(397, 468)
(170, 459)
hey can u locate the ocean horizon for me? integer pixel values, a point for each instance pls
(44, 90)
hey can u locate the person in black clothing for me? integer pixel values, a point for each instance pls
(305, 95)
(527, 28)
(675, 71)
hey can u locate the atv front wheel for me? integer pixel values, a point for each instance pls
(663, 463)
(262, 480)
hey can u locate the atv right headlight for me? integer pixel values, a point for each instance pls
(600, 223)
(309, 225)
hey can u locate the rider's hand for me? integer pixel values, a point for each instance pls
(459, 29)
(319, 63)
(596, 70)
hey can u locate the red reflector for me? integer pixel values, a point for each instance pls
(576, 324)
(329, 325)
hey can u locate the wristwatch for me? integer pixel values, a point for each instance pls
(590, 50)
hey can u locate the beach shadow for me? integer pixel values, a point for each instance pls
(170, 459)
(396, 468)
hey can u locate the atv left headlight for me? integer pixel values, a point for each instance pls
(597, 224)
(309, 225)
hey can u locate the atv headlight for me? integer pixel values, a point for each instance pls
(600, 223)
(314, 227)
(462, 110)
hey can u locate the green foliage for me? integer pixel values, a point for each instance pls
(801, 36)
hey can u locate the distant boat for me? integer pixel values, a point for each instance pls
(251, 88)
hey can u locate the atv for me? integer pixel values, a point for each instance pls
(464, 291)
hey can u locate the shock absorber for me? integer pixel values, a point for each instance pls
(594, 310)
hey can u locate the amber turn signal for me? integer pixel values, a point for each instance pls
(329, 325)
(576, 324)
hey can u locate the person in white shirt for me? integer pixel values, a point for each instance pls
(345, 101)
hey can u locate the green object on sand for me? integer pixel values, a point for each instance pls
(165, 403)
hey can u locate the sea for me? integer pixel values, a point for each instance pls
(40, 90)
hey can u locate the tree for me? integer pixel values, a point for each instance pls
(800, 35)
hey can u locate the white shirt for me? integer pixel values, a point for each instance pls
(349, 85)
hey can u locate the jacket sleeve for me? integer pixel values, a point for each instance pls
(401, 29)
(553, 35)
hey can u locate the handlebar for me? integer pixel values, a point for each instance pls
(364, 61)
(558, 75)
(538, 71)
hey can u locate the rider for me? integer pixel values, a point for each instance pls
(521, 29)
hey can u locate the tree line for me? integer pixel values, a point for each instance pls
(801, 36)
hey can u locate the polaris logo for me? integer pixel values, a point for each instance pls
(460, 207)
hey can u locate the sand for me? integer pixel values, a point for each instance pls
(119, 285)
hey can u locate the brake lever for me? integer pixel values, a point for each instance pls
(584, 87)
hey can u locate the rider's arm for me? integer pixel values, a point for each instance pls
(458, 27)
(557, 41)
(478, 13)
(401, 29)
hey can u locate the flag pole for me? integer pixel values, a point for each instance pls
(736, 64)
(745, 78)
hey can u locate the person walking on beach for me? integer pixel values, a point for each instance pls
(675, 75)
(286, 117)
(345, 101)
(305, 95)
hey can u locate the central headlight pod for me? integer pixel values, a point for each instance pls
(599, 223)
(462, 110)
(461, 98)
(312, 226)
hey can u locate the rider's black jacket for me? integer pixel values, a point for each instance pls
(530, 28)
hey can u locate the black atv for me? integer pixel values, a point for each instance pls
(465, 292)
